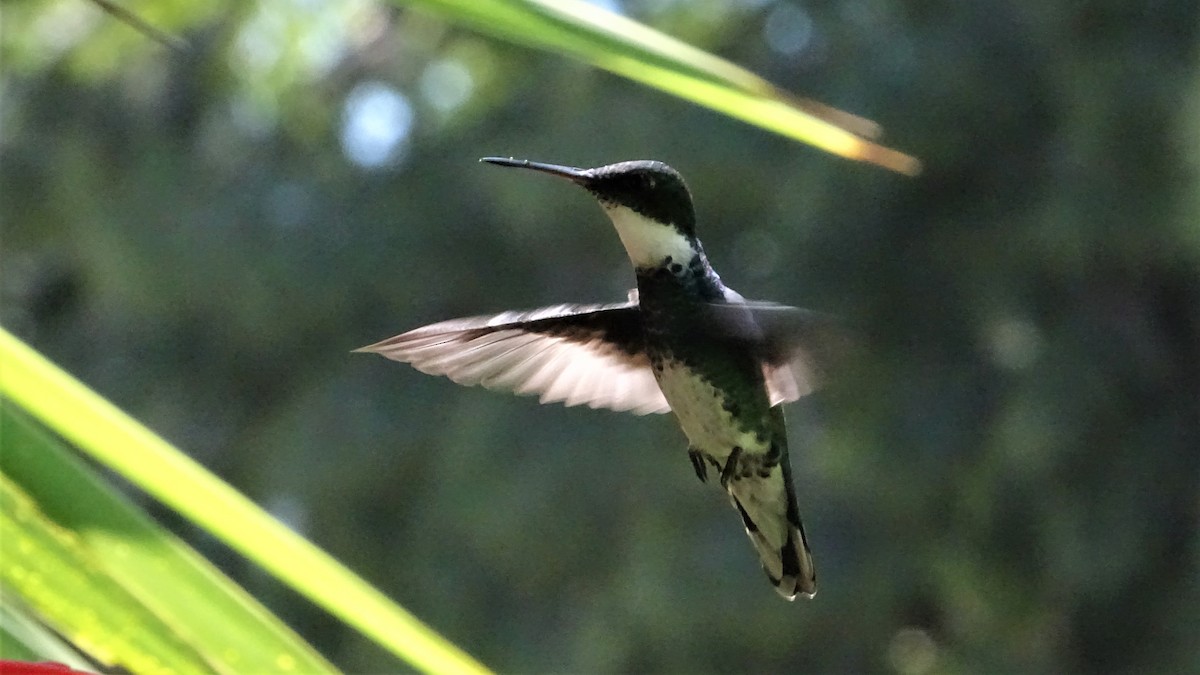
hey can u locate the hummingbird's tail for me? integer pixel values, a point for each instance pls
(789, 565)
(799, 575)
(761, 490)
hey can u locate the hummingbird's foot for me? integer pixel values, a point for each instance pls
(771, 460)
(730, 470)
(698, 464)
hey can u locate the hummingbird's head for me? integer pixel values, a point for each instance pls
(648, 202)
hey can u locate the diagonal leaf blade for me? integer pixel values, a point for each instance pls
(116, 440)
(57, 575)
(189, 596)
(23, 638)
(635, 51)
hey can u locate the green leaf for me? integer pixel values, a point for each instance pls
(190, 597)
(116, 440)
(58, 576)
(633, 50)
(22, 638)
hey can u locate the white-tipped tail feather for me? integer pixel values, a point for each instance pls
(767, 505)
(789, 565)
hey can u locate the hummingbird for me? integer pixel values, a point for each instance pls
(682, 342)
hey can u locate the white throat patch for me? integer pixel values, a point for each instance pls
(647, 242)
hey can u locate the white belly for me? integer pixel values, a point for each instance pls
(707, 425)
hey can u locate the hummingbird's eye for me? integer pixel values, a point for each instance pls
(650, 182)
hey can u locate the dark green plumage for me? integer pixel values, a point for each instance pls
(679, 326)
(714, 378)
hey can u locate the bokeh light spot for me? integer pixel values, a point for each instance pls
(1012, 343)
(788, 29)
(912, 651)
(446, 85)
(376, 124)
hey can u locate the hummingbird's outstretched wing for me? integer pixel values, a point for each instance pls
(796, 346)
(577, 354)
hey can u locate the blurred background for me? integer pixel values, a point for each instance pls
(1007, 478)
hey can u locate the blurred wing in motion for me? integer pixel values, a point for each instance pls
(577, 354)
(797, 347)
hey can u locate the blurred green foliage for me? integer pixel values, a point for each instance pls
(1006, 481)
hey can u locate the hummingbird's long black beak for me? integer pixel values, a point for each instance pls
(580, 176)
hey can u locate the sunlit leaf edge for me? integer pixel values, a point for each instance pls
(118, 441)
(203, 606)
